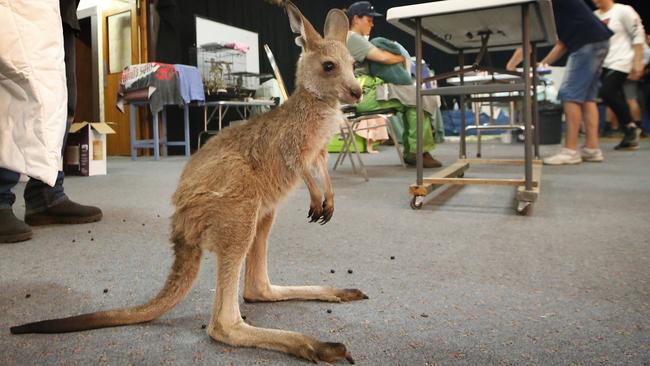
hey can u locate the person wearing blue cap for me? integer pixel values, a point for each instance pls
(361, 15)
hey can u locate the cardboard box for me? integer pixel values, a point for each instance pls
(85, 150)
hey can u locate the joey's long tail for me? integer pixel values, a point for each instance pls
(179, 282)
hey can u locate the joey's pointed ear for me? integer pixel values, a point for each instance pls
(300, 25)
(336, 25)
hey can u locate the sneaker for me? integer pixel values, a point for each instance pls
(13, 230)
(639, 124)
(565, 156)
(630, 139)
(428, 161)
(66, 212)
(593, 155)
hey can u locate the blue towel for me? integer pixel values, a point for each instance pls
(191, 83)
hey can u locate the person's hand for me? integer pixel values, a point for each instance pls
(637, 71)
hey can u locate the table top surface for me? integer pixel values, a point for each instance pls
(484, 78)
(238, 103)
(454, 25)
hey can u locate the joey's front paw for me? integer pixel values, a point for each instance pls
(315, 211)
(328, 211)
(321, 214)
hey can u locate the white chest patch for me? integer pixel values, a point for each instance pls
(332, 119)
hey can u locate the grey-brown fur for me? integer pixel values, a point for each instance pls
(226, 201)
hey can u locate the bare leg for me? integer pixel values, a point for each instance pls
(573, 113)
(258, 287)
(226, 324)
(635, 109)
(370, 148)
(590, 115)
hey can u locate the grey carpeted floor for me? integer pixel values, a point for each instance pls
(471, 282)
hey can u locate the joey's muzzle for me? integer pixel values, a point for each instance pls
(354, 94)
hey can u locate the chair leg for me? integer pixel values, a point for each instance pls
(339, 159)
(356, 150)
(345, 150)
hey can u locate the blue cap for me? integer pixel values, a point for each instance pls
(361, 8)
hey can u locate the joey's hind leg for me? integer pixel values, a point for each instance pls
(258, 287)
(226, 324)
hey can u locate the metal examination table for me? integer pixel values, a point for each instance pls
(465, 27)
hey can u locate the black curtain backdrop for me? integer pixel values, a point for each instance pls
(177, 35)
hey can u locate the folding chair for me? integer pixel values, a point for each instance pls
(350, 126)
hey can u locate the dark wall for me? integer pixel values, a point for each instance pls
(270, 22)
(176, 33)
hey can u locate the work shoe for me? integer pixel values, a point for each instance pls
(428, 161)
(66, 212)
(643, 133)
(11, 228)
(593, 155)
(630, 139)
(565, 156)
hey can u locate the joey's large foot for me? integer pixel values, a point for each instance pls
(326, 352)
(321, 213)
(350, 294)
(299, 345)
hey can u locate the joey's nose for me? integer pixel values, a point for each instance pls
(355, 92)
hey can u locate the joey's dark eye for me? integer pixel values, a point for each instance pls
(328, 66)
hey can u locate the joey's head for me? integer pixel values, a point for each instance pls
(325, 68)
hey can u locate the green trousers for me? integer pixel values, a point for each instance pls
(409, 120)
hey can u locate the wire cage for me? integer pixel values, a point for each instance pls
(221, 69)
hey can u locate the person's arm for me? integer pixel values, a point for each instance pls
(515, 59)
(384, 57)
(554, 54)
(634, 27)
(637, 63)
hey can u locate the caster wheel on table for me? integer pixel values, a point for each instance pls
(416, 202)
(524, 207)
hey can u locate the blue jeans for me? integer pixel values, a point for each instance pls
(582, 76)
(38, 195)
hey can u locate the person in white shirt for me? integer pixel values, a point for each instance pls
(623, 61)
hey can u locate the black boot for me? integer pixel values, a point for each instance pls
(630, 140)
(11, 228)
(66, 212)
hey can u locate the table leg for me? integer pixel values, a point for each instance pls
(186, 125)
(156, 140)
(134, 150)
